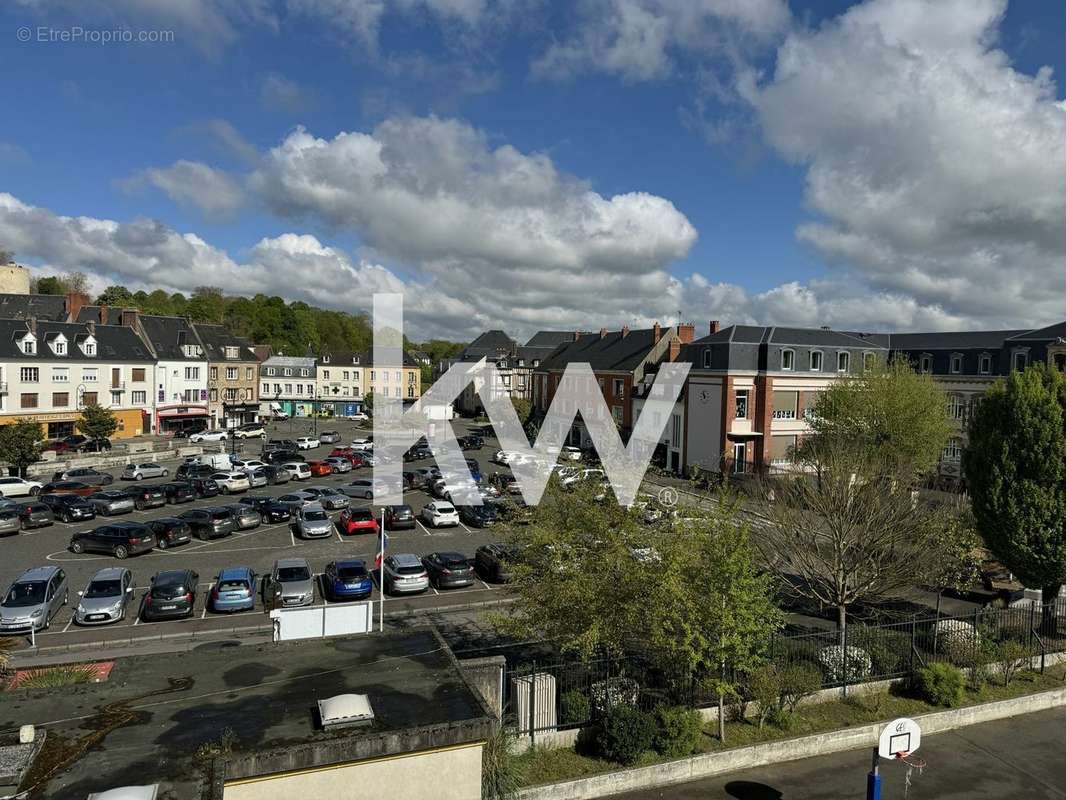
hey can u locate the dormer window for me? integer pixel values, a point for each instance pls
(985, 364)
(59, 348)
(325, 359)
(843, 361)
(1020, 360)
(707, 358)
(88, 346)
(868, 361)
(788, 360)
(29, 346)
(816, 360)
(925, 363)
(956, 363)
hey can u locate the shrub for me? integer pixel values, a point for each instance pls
(764, 686)
(832, 661)
(940, 684)
(501, 771)
(1013, 657)
(56, 677)
(956, 638)
(889, 650)
(798, 681)
(624, 733)
(611, 692)
(678, 731)
(574, 708)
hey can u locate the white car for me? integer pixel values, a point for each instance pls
(362, 443)
(250, 431)
(251, 465)
(569, 453)
(18, 487)
(298, 470)
(358, 416)
(209, 436)
(230, 482)
(583, 475)
(307, 443)
(439, 513)
(503, 457)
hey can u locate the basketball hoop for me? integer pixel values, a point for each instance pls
(911, 761)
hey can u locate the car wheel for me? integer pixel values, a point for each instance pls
(161, 544)
(121, 552)
(137, 476)
(77, 547)
(36, 490)
(201, 536)
(166, 472)
(66, 596)
(225, 490)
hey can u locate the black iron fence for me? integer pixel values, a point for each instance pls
(545, 695)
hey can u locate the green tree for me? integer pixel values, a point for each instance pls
(49, 285)
(522, 407)
(115, 296)
(20, 444)
(368, 404)
(206, 304)
(897, 415)
(1015, 466)
(97, 422)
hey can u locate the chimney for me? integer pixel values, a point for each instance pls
(686, 333)
(675, 350)
(31, 325)
(625, 331)
(128, 318)
(91, 327)
(657, 330)
(577, 335)
(76, 301)
(603, 333)
(103, 314)
(715, 326)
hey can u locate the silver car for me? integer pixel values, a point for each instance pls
(138, 472)
(404, 573)
(257, 477)
(312, 522)
(110, 502)
(245, 517)
(331, 499)
(33, 599)
(106, 598)
(9, 520)
(291, 583)
(338, 464)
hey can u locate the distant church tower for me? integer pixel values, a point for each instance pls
(14, 279)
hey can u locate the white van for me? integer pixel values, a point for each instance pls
(217, 461)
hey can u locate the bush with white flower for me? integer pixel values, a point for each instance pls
(856, 667)
(614, 691)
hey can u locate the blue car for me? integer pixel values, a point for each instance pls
(347, 580)
(234, 590)
(475, 470)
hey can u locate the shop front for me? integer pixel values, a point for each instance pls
(178, 418)
(237, 414)
(56, 425)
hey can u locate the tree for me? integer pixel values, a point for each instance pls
(76, 282)
(49, 285)
(20, 444)
(522, 406)
(6, 256)
(368, 404)
(115, 296)
(1015, 466)
(97, 422)
(897, 415)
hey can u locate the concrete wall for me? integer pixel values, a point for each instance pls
(14, 279)
(485, 676)
(448, 774)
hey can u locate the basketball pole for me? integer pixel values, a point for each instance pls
(873, 779)
(381, 576)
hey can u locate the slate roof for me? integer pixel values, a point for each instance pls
(215, 338)
(113, 342)
(953, 340)
(490, 344)
(1050, 333)
(167, 335)
(550, 339)
(367, 359)
(93, 314)
(341, 358)
(43, 306)
(612, 352)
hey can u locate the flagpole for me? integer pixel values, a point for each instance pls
(381, 575)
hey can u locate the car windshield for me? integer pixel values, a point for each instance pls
(351, 572)
(454, 562)
(216, 515)
(27, 593)
(361, 514)
(109, 588)
(289, 574)
(235, 583)
(315, 516)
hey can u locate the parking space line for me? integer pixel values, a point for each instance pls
(425, 530)
(461, 525)
(485, 585)
(67, 628)
(206, 603)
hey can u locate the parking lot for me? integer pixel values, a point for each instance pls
(257, 548)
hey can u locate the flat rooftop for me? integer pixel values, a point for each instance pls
(161, 718)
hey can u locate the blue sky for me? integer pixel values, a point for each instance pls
(86, 121)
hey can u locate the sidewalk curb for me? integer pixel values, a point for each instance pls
(711, 764)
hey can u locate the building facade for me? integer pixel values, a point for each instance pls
(232, 377)
(404, 382)
(288, 385)
(339, 383)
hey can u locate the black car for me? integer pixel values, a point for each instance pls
(269, 508)
(150, 496)
(417, 453)
(399, 518)
(471, 442)
(209, 523)
(282, 456)
(69, 507)
(35, 514)
(276, 475)
(493, 562)
(119, 539)
(178, 493)
(192, 470)
(171, 595)
(448, 570)
(482, 516)
(203, 487)
(170, 531)
(96, 446)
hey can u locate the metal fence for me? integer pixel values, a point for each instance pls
(543, 696)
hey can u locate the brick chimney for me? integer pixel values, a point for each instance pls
(675, 350)
(715, 326)
(76, 301)
(577, 335)
(603, 333)
(104, 311)
(686, 333)
(128, 318)
(625, 331)
(657, 331)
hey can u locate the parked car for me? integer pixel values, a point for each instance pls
(349, 453)
(319, 469)
(404, 573)
(298, 470)
(18, 487)
(276, 475)
(494, 562)
(570, 453)
(119, 539)
(475, 469)
(148, 496)
(245, 517)
(89, 475)
(111, 501)
(209, 523)
(35, 514)
(483, 516)
(270, 510)
(338, 464)
(439, 513)
(170, 531)
(280, 457)
(69, 507)
(363, 487)
(428, 475)
(251, 430)
(502, 457)
(95, 446)
(234, 590)
(179, 492)
(231, 482)
(306, 442)
(246, 464)
(67, 487)
(105, 598)
(312, 522)
(10, 522)
(398, 518)
(358, 416)
(203, 487)
(329, 437)
(33, 599)
(295, 500)
(330, 498)
(346, 580)
(279, 444)
(209, 436)
(357, 520)
(449, 570)
(289, 584)
(191, 470)
(171, 595)
(138, 472)
(257, 478)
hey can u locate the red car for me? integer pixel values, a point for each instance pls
(319, 468)
(349, 453)
(357, 520)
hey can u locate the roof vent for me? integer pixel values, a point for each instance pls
(345, 709)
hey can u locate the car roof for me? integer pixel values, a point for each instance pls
(350, 562)
(312, 507)
(125, 525)
(166, 576)
(234, 572)
(109, 574)
(37, 574)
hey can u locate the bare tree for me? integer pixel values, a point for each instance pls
(76, 282)
(6, 256)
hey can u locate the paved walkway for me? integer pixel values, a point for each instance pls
(1013, 758)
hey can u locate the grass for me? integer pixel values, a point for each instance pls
(541, 765)
(56, 677)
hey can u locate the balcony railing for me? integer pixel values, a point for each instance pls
(118, 386)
